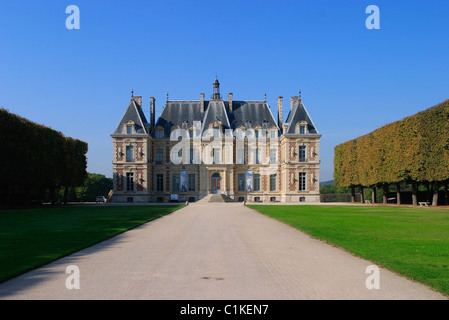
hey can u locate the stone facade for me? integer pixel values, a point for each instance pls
(235, 148)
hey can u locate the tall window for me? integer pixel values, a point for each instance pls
(302, 154)
(159, 133)
(302, 181)
(129, 129)
(216, 132)
(216, 155)
(159, 156)
(129, 181)
(129, 154)
(241, 182)
(256, 182)
(257, 156)
(273, 156)
(175, 182)
(241, 156)
(272, 182)
(159, 182)
(192, 154)
(302, 129)
(273, 133)
(191, 181)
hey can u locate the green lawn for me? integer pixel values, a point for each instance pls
(34, 237)
(413, 242)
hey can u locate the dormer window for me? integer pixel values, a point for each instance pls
(302, 128)
(159, 133)
(129, 128)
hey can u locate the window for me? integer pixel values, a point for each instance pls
(273, 134)
(256, 133)
(191, 181)
(192, 154)
(257, 199)
(302, 181)
(240, 156)
(302, 154)
(273, 156)
(241, 182)
(241, 199)
(159, 133)
(273, 199)
(257, 156)
(191, 133)
(159, 182)
(216, 132)
(272, 182)
(129, 129)
(159, 156)
(129, 154)
(175, 182)
(216, 155)
(256, 182)
(302, 199)
(302, 129)
(129, 181)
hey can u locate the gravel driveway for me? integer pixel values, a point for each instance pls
(213, 251)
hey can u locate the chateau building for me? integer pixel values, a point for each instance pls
(228, 147)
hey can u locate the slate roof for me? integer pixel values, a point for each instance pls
(135, 114)
(297, 114)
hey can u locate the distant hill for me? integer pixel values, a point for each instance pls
(322, 183)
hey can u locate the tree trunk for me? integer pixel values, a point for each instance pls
(352, 194)
(373, 194)
(435, 194)
(398, 193)
(362, 196)
(446, 188)
(414, 193)
(385, 193)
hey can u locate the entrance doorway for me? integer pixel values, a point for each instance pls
(216, 183)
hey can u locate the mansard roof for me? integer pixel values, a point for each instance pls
(135, 114)
(248, 114)
(297, 114)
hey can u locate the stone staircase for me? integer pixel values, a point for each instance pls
(215, 198)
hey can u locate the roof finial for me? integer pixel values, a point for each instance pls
(167, 96)
(132, 93)
(265, 96)
(299, 96)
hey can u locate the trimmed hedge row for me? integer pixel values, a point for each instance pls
(413, 150)
(37, 160)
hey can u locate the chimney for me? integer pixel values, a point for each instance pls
(280, 118)
(138, 100)
(202, 102)
(153, 112)
(230, 101)
(293, 100)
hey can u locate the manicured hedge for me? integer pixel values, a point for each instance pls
(413, 150)
(37, 160)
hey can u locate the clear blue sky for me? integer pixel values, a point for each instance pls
(353, 80)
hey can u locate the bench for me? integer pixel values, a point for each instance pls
(391, 199)
(424, 203)
(367, 201)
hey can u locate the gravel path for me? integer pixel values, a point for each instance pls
(213, 251)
